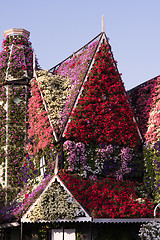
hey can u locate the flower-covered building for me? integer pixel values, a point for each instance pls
(79, 154)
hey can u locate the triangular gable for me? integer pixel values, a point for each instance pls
(70, 74)
(56, 203)
(103, 113)
(62, 90)
(102, 39)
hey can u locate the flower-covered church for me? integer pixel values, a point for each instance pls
(79, 154)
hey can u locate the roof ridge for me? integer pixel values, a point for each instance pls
(53, 68)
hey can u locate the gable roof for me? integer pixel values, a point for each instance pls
(61, 206)
(70, 74)
(141, 99)
(62, 90)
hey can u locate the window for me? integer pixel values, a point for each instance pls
(69, 234)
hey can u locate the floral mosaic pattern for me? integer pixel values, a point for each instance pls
(110, 198)
(105, 197)
(15, 119)
(141, 99)
(40, 132)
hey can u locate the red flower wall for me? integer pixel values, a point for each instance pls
(109, 198)
(103, 113)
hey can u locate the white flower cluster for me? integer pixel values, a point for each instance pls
(55, 89)
(150, 231)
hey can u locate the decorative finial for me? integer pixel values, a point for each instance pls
(103, 25)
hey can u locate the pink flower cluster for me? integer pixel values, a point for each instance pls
(39, 130)
(75, 69)
(153, 132)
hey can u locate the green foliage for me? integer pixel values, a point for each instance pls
(149, 173)
(13, 123)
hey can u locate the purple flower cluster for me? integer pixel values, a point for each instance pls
(16, 58)
(75, 69)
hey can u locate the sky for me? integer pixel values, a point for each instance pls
(59, 28)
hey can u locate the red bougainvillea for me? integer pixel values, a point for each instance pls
(103, 113)
(141, 98)
(109, 198)
(40, 131)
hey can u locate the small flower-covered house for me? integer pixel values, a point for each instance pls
(79, 154)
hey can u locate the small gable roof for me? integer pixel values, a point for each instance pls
(56, 203)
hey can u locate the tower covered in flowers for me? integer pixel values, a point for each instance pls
(16, 67)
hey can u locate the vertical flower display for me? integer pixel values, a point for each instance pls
(16, 58)
(103, 113)
(15, 71)
(141, 98)
(40, 133)
(94, 161)
(13, 109)
(152, 147)
(56, 90)
(75, 69)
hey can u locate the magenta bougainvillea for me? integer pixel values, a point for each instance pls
(103, 113)
(16, 58)
(75, 69)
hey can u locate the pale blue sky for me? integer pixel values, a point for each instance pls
(59, 28)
